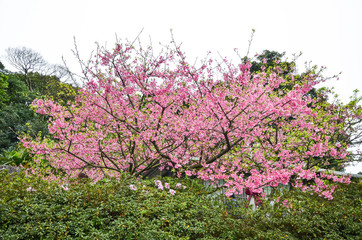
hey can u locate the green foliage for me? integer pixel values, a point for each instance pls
(2, 67)
(15, 156)
(308, 216)
(109, 209)
(16, 116)
(347, 127)
(270, 57)
(3, 87)
(51, 87)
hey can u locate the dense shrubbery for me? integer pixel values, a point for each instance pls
(300, 215)
(33, 209)
(107, 210)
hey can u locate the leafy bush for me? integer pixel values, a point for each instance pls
(15, 156)
(34, 209)
(31, 208)
(299, 215)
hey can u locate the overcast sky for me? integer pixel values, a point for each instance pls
(328, 33)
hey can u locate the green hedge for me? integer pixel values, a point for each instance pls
(109, 209)
(309, 216)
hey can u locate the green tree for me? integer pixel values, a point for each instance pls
(51, 87)
(347, 129)
(3, 86)
(16, 115)
(2, 67)
(34, 69)
(25, 60)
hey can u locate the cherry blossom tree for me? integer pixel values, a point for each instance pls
(138, 112)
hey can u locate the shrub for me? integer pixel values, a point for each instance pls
(31, 208)
(15, 156)
(300, 215)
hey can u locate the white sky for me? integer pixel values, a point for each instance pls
(329, 33)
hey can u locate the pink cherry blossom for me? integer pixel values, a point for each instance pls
(137, 112)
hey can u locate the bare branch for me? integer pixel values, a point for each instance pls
(25, 60)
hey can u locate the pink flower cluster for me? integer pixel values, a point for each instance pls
(159, 185)
(30, 189)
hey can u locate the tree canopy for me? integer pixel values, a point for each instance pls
(16, 115)
(139, 112)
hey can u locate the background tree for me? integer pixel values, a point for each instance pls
(2, 67)
(30, 62)
(348, 130)
(3, 86)
(51, 87)
(25, 60)
(16, 115)
(35, 79)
